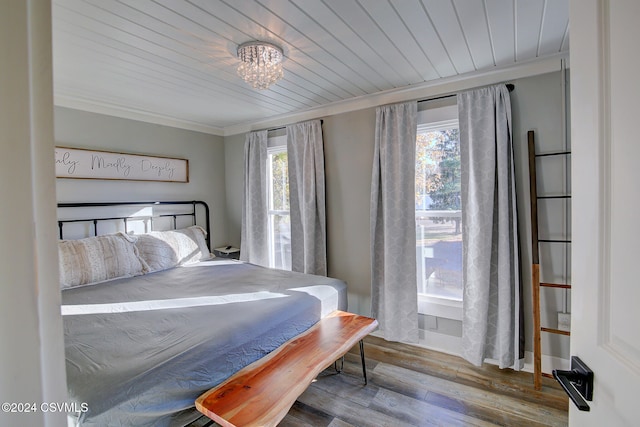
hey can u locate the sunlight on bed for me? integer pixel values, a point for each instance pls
(129, 306)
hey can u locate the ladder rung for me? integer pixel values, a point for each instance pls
(555, 285)
(558, 153)
(555, 331)
(564, 196)
(554, 241)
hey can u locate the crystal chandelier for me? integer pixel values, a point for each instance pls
(261, 64)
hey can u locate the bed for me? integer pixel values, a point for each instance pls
(141, 349)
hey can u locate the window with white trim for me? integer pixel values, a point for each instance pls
(439, 214)
(278, 205)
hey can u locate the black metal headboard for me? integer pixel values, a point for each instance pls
(189, 209)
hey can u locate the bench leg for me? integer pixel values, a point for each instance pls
(364, 366)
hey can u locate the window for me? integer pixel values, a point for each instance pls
(438, 218)
(278, 205)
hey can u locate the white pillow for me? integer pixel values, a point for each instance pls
(95, 259)
(166, 249)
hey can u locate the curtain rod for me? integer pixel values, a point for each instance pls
(284, 127)
(509, 86)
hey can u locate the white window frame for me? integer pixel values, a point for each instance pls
(433, 119)
(275, 145)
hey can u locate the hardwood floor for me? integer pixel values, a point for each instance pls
(411, 386)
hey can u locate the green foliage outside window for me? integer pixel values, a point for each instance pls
(280, 182)
(438, 172)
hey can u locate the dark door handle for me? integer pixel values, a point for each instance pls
(577, 383)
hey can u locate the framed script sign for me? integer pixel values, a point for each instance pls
(90, 164)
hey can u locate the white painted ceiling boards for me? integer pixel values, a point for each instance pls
(174, 61)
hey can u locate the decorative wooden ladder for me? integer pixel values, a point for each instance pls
(535, 268)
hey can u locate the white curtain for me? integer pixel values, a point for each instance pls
(307, 198)
(492, 315)
(254, 240)
(394, 299)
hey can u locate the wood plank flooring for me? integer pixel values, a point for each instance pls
(411, 386)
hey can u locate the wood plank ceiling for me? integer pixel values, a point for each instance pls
(175, 60)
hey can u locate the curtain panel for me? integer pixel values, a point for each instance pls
(492, 325)
(254, 237)
(394, 298)
(305, 155)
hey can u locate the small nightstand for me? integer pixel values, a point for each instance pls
(227, 252)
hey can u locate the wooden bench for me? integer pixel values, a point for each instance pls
(262, 393)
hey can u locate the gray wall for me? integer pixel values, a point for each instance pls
(234, 163)
(349, 138)
(537, 106)
(349, 144)
(205, 153)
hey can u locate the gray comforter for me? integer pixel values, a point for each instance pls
(142, 349)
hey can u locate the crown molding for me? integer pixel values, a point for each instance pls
(133, 114)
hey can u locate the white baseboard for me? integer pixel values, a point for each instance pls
(453, 345)
(443, 343)
(549, 363)
(434, 341)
